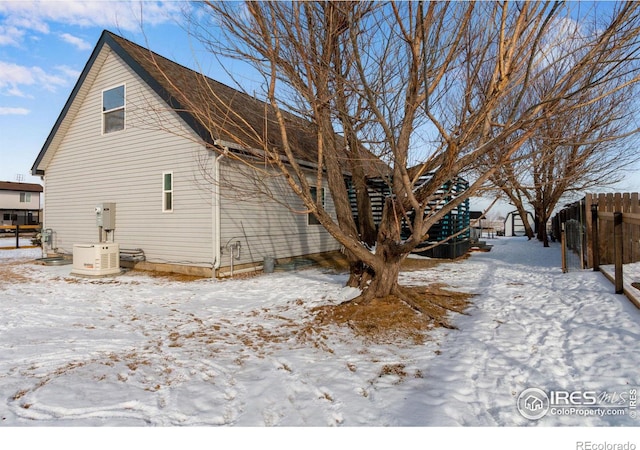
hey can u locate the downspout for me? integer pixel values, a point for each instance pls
(41, 218)
(217, 222)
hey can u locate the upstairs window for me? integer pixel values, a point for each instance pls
(311, 218)
(25, 197)
(113, 109)
(167, 191)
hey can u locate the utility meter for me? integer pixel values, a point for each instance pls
(106, 215)
(46, 235)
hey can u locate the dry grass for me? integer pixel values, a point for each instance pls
(384, 320)
(338, 262)
(391, 320)
(168, 276)
(9, 276)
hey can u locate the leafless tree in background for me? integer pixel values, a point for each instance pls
(585, 142)
(423, 87)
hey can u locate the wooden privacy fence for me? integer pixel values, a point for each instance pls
(18, 230)
(613, 228)
(600, 229)
(613, 232)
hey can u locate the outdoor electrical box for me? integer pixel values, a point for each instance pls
(47, 233)
(96, 259)
(106, 216)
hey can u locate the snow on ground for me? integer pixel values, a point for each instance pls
(138, 350)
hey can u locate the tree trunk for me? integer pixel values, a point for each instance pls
(366, 225)
(388, 257)
(384, 279)
(542, 228)
(545, 237)
(525, 220)
(359, 273)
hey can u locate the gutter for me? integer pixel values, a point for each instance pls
(257, 153)
(217, 222)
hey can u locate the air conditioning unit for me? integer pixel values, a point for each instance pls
(96, 259)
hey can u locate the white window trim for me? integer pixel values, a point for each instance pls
(124, 108)
(165, 191)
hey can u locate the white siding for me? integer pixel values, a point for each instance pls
(263, 226)
(126, 168)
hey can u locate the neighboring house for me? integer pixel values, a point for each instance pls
(122, 138)
(19, 203)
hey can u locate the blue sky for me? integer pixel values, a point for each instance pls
(45, 44)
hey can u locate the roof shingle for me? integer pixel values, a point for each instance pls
(20, 187)
(229, 115)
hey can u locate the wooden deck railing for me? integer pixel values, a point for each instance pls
(19, 230)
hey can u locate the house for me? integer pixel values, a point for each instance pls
(19, 203)
(123, 139)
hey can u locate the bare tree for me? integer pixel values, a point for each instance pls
(586, 142)
(411, 93)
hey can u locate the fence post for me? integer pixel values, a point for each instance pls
(635, 209)
(595, 245)
(617, 250)
(563, 246)
(17, 236)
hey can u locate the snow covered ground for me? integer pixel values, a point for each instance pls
(138, 350)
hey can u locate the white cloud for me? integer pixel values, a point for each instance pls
(13, 76)
(46, 80)
(18, 18)
(77, 42)
(8, 111)
(14, 91)
(29, 21)
(10, 35)
(69, 72)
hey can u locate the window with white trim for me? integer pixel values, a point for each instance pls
(311, 218)
(25, 197)
(167, 191)
(113, 109)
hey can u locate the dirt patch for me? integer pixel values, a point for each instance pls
(168, 276)
(410, 264)
(337, 261)
(10, 276)
(391, 320)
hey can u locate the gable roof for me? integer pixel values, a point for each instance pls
(233, 117)
(20, 187)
